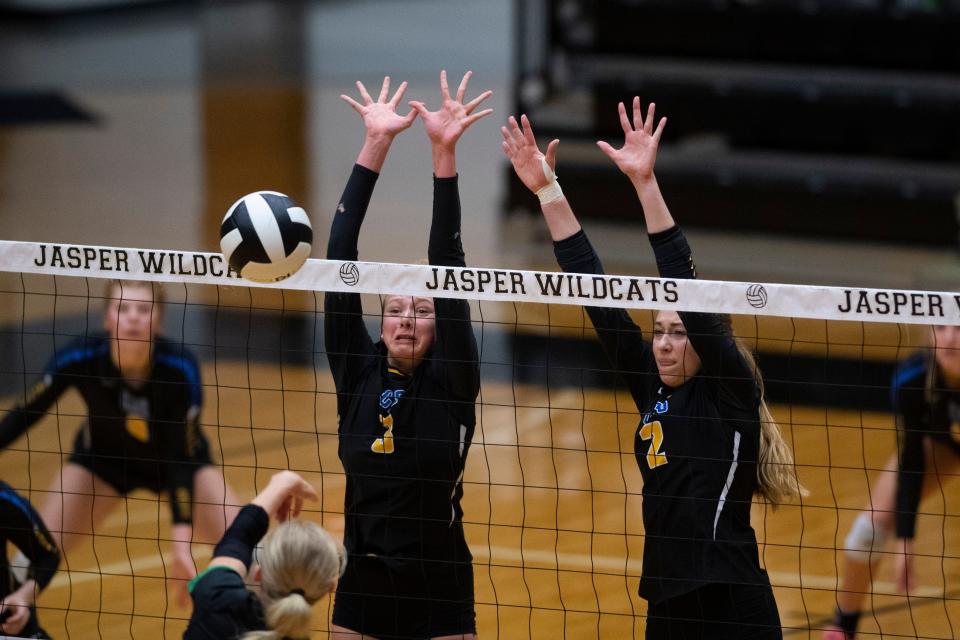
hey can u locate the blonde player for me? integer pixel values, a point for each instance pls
(143, 395)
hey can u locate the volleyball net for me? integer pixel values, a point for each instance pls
(552, 489)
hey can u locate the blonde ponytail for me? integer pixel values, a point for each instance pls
(300, 564)
(777, 480)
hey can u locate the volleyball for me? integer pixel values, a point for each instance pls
(266, 236)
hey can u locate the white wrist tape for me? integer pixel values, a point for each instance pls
(552, 191)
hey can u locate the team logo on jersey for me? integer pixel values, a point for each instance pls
(390, 397)
(662, 406)
(388, 400)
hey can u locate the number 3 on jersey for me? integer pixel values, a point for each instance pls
(384, 444)
(654, 431)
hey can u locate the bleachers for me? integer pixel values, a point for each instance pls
(836, 119)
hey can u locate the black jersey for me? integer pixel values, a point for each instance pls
(697, 445)
(920, 414)
(223, 607)
(21, 526)
(403, 474)
(153, 429)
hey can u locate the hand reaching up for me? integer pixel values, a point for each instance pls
(445, 125)
(520, 147)
(380, 117)
(284, 495)
(639, 152)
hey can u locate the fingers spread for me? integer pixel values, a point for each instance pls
(624, 120)
(473, 104)
(399, 94)
(444, 89)
(353, 103)
(659, 131)
(469, 120)
(385, 89)
(551, 155)
(515, 131)
(607, 149)
(419, 107)
(648, 124)
(637, 113)
(363, 93)
(528, 130)
(462, 89)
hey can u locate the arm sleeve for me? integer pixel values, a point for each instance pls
(458, 364)
(716, 346)
(36, 402)
(911, 464)
(620, 337)
(246, 530)
(345, 335)
(23, 527)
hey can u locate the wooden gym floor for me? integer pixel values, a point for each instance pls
(551, 501)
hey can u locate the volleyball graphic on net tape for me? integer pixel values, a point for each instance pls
(266, 236)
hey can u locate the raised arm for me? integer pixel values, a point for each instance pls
(620, 337)
(282, 499)
(458, 364)
(708, 332)
(345, 334)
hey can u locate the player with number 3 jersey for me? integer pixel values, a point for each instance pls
(406, 405)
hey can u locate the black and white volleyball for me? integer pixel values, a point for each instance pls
(266, 236)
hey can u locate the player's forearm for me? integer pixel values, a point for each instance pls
(561, 221)
(655, 211)
(445, 246)
(374, 152)
(444, 161)
(351, 210)
(26, 593)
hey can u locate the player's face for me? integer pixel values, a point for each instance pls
(409, 326)
(131, 314)
(677, 361)
(946, 340)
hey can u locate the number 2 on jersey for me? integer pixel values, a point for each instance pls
(654, 431)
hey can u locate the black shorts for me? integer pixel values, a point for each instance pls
(405, 599)
(124, 474)
(717, 612)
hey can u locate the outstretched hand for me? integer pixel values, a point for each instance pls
(284, 495)
(445, 125)
(520, 147)
(380, 117)
(639, 152)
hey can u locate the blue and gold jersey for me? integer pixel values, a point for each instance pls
(403, 440)
(697, 445)
(149, 429)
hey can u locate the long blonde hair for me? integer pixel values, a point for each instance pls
(300, 564)
(777, 480)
